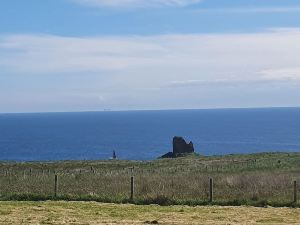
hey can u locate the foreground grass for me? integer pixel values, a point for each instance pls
(90, 213)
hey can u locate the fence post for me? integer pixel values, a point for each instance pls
(211, 191)
(295, 191)
(132, 183)
(131, 188)
(55, 185)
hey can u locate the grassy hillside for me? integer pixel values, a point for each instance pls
(255, 179)
(58, 213)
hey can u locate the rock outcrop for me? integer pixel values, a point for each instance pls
(180, 148)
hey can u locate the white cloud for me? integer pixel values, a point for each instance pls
(50, 54)
(235, 83)
(163, 71)
(294, 9)
(136, 3)
(292, 73)
(205, 56)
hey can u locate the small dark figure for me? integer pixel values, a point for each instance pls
(114, 155)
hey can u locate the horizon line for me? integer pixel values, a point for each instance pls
(144, 110)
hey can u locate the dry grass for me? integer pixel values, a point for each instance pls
(256, 177)
(90, 213)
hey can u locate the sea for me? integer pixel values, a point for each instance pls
(146, 135)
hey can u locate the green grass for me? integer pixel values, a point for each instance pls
(254, 179)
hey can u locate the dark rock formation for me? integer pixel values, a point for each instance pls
(114, 155)
(180, 148)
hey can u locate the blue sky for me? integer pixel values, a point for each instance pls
(82, 55)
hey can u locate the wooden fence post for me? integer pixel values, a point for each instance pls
(55, 185)
(131, 183)
(211, 191)
(131, 188)
(295, 192)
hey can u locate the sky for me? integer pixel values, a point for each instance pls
(94, 55)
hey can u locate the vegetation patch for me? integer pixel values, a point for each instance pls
(264, 179)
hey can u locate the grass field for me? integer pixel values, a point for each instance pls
(91, 213)
(255, 179)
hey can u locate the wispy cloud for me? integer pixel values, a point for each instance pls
(292, 73)
(52, 54)
(134, 71)
(235, 83)
(205, 55)
(136, 3)
(295, 9)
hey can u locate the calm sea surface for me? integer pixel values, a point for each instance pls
(146, 135)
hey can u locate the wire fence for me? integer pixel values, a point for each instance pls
(179, 185)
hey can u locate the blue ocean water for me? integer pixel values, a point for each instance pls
(144, 135)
